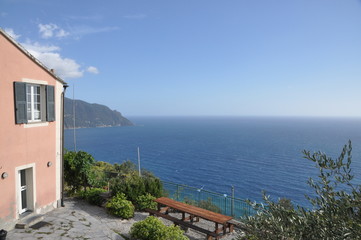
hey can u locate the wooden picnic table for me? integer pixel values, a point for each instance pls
(194, 214)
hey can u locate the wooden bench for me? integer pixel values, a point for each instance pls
(222, 222)
(177, 221)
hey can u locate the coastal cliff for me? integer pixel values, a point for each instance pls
(92, 115)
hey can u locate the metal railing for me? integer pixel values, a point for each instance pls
(222, 203)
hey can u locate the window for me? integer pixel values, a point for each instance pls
(34, 103)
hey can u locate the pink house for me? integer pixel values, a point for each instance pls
(30, 135)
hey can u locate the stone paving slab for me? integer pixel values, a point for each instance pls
(77, 220)
(82, 221)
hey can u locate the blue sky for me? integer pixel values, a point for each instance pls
(199, 57)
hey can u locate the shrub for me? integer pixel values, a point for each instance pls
(120, 206)
(133, 186)
(153, 229)
(77, 169)
(93, 196)
(146, 201)
(175, 233)
(100, 174)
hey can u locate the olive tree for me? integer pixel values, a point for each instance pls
(336, 212)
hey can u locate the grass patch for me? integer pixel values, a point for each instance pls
(47, 233)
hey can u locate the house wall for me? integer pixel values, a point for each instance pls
(26, 145)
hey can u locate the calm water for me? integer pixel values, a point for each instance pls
(253, 154)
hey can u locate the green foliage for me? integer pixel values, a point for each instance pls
(153, 229)
(126, 167)
(130, 185)
(101, 174)
(146, 201)
(133, 186)
(120, 206)
(93, 196)
(337, 206)
(152, 184)
(286, 203)
(205, 204)
(77, 169)
(175, 233)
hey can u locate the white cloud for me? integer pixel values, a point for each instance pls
(12, 34)
(93, 70)
(37, 47)
(51, 30)
(64, 67)
(49, 56)
(61, 33)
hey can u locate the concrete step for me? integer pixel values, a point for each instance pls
(29, 220)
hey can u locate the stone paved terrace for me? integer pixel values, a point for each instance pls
(79, 220)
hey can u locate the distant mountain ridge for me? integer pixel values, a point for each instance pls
(92, 115)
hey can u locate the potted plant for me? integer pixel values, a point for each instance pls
(3, 234)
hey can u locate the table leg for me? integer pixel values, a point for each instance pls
(217, 230)
(231, 227)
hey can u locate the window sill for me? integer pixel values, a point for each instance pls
(36, 124)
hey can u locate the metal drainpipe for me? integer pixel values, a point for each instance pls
(62, 145)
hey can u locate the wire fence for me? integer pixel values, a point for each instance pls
(222, 203)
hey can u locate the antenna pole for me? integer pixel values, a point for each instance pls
(139, 163)
(74, 118)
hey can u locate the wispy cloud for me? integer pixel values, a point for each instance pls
(3, 14)
(51, 30)
(135, 16)
(12, 34)
(82, 30)
(95, 17)
(93, 70)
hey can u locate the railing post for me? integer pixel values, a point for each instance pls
(232, 202)
(225, 204)
(177, 192)
(199, 195)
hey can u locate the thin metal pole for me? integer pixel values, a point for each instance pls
(74, 118)
(62, 146)
(139, 163)
(177, 192)
(232, 203)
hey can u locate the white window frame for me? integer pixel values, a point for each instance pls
(31, 91)
(41, 84)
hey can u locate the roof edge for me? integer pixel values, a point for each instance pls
(29, 55)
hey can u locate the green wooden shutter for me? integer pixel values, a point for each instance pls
(20, 103)
(50, 103)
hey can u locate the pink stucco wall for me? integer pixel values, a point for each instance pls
(19, 145)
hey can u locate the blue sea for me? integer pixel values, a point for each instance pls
(250, 153)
